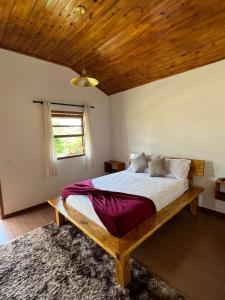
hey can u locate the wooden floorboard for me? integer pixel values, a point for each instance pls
(15, 226)
(187, 252)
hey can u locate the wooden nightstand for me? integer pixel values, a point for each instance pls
(218, 193)
(113, 166)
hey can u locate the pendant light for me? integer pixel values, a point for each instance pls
(83, 80)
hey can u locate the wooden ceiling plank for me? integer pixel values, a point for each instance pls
(153, 72)
(128, 43)
(112, 86)
(139, 50)
(99, 33)
(56, 35)
(110, 51)
(61, 45)
(130, 63)
(19, 12)
(142, 39)
(35, 18)
(27, 24)
(94, 15)
(120, 50)
(63, 38)
(55, 19)
(40, 21)
(144, 81)
(58, 19)
(5, 10)
(131, 18)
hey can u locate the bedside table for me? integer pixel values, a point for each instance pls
(218, 193)
(113, 166)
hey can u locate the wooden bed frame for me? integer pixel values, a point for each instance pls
(120, 248)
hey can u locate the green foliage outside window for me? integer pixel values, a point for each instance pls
(68, 146)
(68, 135)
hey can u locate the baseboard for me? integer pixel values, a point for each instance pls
(211, 211)
(25, 210)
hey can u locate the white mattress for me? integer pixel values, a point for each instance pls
(161, 190)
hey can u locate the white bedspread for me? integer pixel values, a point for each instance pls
(161, 190)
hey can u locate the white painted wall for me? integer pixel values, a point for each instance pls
(181, 116)
(22, 80)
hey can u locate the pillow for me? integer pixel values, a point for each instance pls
(146, 170)
(157, 166)
(138, 164)
(177, 167)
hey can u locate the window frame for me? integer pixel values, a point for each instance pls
(69, 114)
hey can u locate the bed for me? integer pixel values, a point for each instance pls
(170, 195)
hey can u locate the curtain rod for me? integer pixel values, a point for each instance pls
(65, 104)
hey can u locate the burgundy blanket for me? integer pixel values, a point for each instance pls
(119, 212)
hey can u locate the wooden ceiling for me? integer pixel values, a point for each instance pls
(128, 42)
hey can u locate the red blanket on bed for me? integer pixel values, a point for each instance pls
(119, 212)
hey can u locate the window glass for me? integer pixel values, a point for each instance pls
(68, 134)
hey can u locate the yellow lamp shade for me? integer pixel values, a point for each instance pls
(84, 81)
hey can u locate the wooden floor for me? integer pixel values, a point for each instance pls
(188, 252)
(12, 227)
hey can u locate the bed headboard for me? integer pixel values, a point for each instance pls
(196, 169)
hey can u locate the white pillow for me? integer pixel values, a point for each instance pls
(177, 167)
(146, 170)
(138, 164)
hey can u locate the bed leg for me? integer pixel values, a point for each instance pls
(123, 273)
(194, 206)
(59, 218)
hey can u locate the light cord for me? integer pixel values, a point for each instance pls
(82, 43)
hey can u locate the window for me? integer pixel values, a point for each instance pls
(68, 133)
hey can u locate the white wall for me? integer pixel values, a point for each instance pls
(181, 116)
(22, 80)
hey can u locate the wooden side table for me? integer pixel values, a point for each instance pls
(113, 166)
(218, 193)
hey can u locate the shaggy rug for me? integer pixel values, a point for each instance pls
(61, 263)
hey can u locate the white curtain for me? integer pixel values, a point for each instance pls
(88, 139)
(49, 151)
